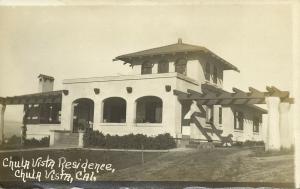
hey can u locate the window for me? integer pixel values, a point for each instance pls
(209, 114)
(207, 71)
(146, 68)
(215, 75)
(238, 120)
(163, 67)
(43, 113)
(32, 114)
(149, 110)
(220, 115)
(114, 110)
(256, 124)
(180, 66)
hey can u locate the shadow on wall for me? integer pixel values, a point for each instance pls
(206, 132)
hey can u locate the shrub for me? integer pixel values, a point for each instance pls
(14, 140)
(249, 143)
(43, 142)
(93, 138)
(130, 141)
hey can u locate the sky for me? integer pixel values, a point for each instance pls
(81, 41)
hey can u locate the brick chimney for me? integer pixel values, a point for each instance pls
(45, 83)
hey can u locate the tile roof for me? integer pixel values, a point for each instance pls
(171, 49)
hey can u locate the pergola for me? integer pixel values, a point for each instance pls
(36, 98)
(278, 105)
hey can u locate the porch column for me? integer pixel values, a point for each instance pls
(273, 132)
(67, 109)
(286, 135)
(177, 113)
(130, 112)
(97, 113)
(2, 110)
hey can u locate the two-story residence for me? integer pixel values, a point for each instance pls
(144, 102)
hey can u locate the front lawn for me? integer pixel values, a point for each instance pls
(222, 165)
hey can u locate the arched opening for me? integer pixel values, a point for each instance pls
(180, 66)
(163, 66)
(83, 114)
(114, 110)
(149, 109)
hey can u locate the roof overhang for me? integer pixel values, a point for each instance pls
(150, 53)
(35, 98)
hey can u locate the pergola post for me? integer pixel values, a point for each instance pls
(273, 130)
(286, 135)
(2, 111)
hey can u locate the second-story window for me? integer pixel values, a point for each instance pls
(220, 115)
(207, 71)
(163, 66)
(180, 66)
(215, 75)
(146, 68)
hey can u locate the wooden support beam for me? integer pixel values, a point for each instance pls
(212, 102)
(2, 100)
(180, 94)
(195, 93)
(289, 100)
(273, 91)
(213, 96)
(202, 102)
(283, 94)
(2, 112)
(256, 93)
(239, 93)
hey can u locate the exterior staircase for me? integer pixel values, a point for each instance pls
(66, 139)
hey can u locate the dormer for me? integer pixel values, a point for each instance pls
(192, 61)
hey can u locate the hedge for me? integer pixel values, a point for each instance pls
(43, 142)
(249, 143)
(14, 142)
(130, 141)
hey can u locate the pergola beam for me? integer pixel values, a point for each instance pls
(31, 100)
(2, 100)
(273, 91)
(212, 95)
(255, 92)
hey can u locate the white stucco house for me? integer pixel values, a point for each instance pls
(144, 102)
(155, 98)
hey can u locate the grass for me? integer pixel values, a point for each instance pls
(220, 164)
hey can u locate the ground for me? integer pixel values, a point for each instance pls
(221, 164)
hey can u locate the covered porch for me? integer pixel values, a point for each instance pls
(41, 113)
(278, 132)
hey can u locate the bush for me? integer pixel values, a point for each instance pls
(249, 143)
(14, 142)
(43, 142)
(131, 141)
